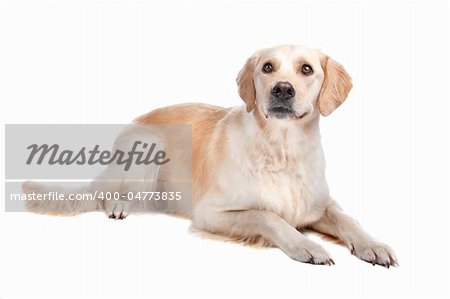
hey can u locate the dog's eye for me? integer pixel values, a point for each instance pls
(307, 70)
(267, 68)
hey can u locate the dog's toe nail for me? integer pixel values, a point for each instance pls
(352, 250)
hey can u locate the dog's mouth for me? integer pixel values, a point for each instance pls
(281, 112)
(279, 109)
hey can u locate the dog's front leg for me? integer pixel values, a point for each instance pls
(336, 223)
(250, 223)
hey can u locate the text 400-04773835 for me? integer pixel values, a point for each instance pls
(141, 195)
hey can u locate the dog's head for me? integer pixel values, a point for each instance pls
(292, 82)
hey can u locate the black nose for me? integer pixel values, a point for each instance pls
(283, 91)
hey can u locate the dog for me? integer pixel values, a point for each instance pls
(258, 171)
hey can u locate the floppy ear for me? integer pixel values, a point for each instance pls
(246, 86)
(335, 88)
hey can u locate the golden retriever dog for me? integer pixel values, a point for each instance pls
(258, 171)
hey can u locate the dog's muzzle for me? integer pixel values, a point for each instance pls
(282, 94)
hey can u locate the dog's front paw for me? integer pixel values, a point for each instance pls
(309, 252)
(374, 252)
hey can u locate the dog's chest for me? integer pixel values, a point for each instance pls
(289, 182)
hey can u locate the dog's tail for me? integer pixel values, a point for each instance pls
(58, 200)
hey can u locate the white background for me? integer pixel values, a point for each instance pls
(387, 147)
